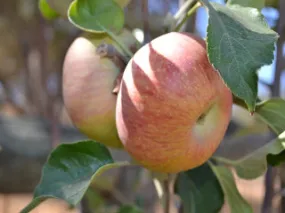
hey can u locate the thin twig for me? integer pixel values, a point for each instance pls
(145, 16)
(188, 14)
(185, 7)
(167, 194)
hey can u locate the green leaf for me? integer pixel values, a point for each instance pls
(272, 112)
(69, 171)
(122, 3)
(259, 4)
(129, 209)
(239, 42)
(47, 12)
(276, 160)
(272, 3)
(254, 164)
(197, 187)
(96, 16)
(236, 202)
(60, 7)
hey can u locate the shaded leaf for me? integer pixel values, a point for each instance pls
(254, 164)
(272, 112)
(69, 171)
(239, 42)
(276, 160)
(96, 16)
(236, 202)
(259, 4)
(197, 187)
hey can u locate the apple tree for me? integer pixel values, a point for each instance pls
(167, 102)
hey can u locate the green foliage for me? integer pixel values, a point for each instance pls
(122, 3)
(259, 4)
(272, 112)
(276, 160)
(236, 202)
(60, 7)
(129, 209)
(47, 12)
(197, 187)
(254, 164)
(239, 42)
(98, 16)
(69, 171)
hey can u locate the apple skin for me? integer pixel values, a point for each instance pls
(88, 81)
(166, 88)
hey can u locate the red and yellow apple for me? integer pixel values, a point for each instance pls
(173, 108)
(88, 81)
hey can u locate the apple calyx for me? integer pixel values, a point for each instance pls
(203, 116)
(108, 50)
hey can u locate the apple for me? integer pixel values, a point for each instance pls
(173, 108)
(88, 82)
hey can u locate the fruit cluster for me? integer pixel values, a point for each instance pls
(166, 106)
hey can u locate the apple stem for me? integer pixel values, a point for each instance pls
(108, 50)
(124, 48)
(188, 14)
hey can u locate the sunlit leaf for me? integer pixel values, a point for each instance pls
(96, 16)
(239, 42)
(259, 4)
(47, 12)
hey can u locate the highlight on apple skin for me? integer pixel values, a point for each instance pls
(88, 81)
(173, 107)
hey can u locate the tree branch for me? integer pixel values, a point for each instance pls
(145, 16)
(167, 194)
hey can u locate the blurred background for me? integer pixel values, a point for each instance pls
(33, 119)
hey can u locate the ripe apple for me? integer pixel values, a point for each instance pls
(173, 107)
(88, 81)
